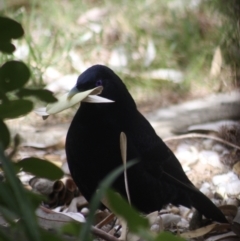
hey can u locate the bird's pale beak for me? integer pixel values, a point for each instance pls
(72, 92)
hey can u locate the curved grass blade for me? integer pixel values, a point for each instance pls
(103, 186)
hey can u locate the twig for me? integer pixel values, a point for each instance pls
(98, 232)
(200, 136)
(105, 220)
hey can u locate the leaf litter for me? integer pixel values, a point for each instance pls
(211, 165)
(176, 219)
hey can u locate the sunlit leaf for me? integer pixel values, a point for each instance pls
(40, 168)
(5, 134)
(13, 75)
(10, 29)
(44, 95)
(15, 108)
(128, 213)
(64, 102)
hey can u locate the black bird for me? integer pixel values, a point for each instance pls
(93, 150)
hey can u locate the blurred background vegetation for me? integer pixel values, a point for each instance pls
(172, 49)
(166, 51)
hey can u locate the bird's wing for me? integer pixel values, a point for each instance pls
(170, 170)
(160, 159)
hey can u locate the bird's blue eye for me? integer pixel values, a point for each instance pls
(99, 83)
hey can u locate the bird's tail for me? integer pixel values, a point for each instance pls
(199, 201)
(206, 207)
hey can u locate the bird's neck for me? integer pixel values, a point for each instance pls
(122, 118)
(139, 129)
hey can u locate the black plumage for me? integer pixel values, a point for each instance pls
(93, 150)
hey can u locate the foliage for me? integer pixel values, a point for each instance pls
(230, 32)
(16, 202)
(184, 38)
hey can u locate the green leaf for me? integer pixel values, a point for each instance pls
(46, 235)
(15, 108)
(21, 200)
(13, 75)
(4, 236)
(7, 47)
(36, 199)
(103, 186)
(10, 29)
(71, 228)
(9, 203)
(129, 214)
(168, 236)
(8, 214)
(40, 168)
(5, 135)
(44, 95)
(6, 197)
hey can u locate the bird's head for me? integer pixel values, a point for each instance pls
(109, 84)
(100, 75)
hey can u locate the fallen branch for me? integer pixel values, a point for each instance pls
(201, 136)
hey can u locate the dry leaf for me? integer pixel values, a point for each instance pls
(199, 232)
(225, 236)
(229, 210)
(150, 53)
(153, 217)
(123, 148)
(237, 217)
(216, 227)
(66, 101)
(70, 99)
(236, 168)
(49, 219)
(76, 203)
(41, 185)
(236, 228)
(216, 63)
(170, 219)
